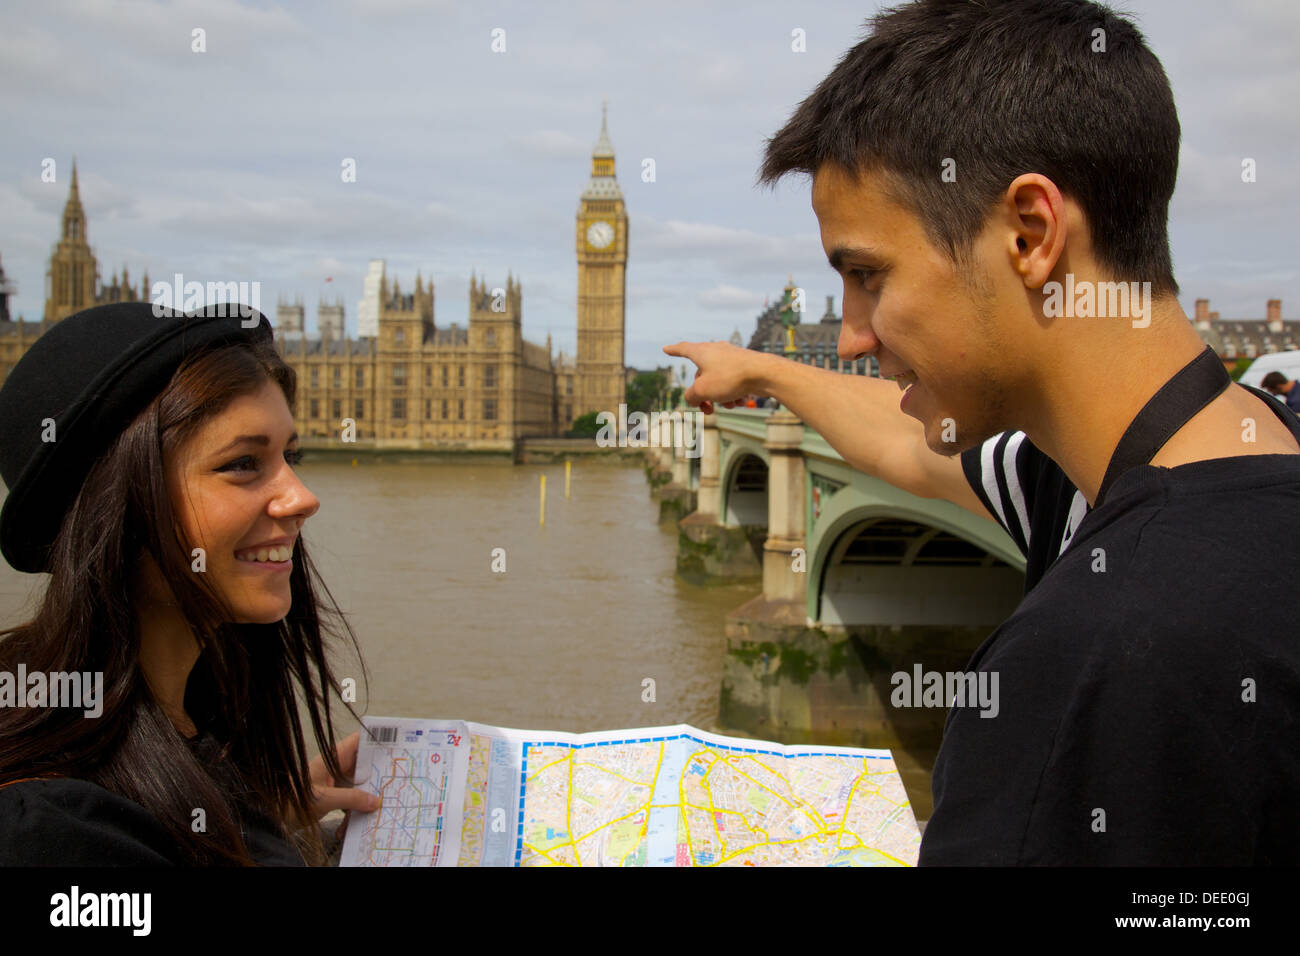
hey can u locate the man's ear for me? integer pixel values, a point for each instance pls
(1035, 216)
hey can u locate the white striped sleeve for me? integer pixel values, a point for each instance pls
(995, 470)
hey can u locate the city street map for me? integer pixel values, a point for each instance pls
(457, 793)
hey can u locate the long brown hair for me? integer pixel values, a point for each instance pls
(246, 678)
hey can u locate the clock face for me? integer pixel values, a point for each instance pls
(600, 234)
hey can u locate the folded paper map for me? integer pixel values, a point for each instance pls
(457, 793)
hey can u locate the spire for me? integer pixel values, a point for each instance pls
(604, 148)
(602, 184)
(74, 217)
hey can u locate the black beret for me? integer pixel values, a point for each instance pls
(92, 373)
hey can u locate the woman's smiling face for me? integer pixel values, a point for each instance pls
(237, 496)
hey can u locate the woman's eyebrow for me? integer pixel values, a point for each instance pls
(256, 439)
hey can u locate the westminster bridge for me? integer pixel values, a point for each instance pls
(860, 581)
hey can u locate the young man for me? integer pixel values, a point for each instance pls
(1280, 385)
(984, 176)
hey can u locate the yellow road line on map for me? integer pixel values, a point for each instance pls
(653, 782)
(848, 804)
(765, 767)
(596, 766)
(755, 846)
(758, 782)
(549, 859)
(713, 810)
(550, 765)
(568, 812)
(638, 809)
(686, 823)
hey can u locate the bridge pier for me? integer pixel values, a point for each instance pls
(784, 576)
(708, 551)
(677, 497)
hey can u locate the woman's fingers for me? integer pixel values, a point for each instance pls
(344, 798)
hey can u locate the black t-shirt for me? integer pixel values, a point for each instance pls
(1148, 683)
(63, 821)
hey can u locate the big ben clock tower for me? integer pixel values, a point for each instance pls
(602, 285)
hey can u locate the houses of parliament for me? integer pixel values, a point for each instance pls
(404, 381)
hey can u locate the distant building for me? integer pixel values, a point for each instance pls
(329, 319)
(1244, 340)
(368, 307)
(72, 282)
(781, 330)
(6, 289)
(290, 316)
(601, 230)
(405, 381)
(416, 385)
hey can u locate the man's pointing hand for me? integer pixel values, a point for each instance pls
(726, 373)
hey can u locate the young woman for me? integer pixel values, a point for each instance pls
(150, 466)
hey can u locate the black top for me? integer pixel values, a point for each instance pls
(1033, 500)
(1029, 495)
(66, 822)
(63, 821)
(1149, 682)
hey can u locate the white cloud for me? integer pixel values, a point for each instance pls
(729, 298)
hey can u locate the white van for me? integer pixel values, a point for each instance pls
(1288, 363)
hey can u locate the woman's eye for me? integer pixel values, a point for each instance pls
(249, 463)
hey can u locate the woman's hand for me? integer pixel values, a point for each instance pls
(727, 373)
(326, 796)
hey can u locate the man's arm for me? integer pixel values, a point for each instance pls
(859, 417)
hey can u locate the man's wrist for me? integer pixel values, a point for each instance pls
(768, 377)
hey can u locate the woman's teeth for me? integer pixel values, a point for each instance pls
(266, 554)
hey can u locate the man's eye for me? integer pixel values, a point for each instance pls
(864, 275)
(293, 457)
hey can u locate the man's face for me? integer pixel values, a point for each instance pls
(905, 303)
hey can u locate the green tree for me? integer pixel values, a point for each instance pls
(646, 392)
(584, 426)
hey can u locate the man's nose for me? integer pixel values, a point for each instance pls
(856, 341)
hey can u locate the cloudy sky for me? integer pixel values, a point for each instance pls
(225, 165)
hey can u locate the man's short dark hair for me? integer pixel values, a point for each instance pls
(1002, 87)
(1273, 380)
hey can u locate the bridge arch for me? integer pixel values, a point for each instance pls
(744, 488)
(887, 563)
